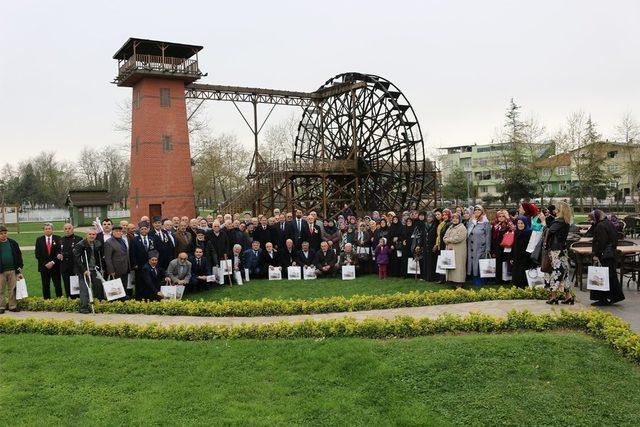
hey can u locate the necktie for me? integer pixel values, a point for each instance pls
(198, 260)
(154, 271)
(48, 245)
(282, 226)
(256, 253)
(146, 245)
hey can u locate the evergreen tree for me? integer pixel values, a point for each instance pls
(594, 177)
(456, 188)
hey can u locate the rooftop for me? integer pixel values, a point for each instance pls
(155, 47)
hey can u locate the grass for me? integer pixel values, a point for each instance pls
(513, 379)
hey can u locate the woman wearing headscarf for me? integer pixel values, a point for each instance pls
(395, 242)
(412, 239)
(478, 243)
(520, 258)
(430, 255)
(456, 240)
(331, 234)
(440, 232)
(556, 246)
(381, 231)
(501, 226)
(604, 248)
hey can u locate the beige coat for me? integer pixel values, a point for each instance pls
(456, 236)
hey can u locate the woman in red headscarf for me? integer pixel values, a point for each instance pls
(501, 226)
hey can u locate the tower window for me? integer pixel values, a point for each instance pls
(165, 97)
(166, 143)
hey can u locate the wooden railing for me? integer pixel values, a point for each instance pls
(155, 62)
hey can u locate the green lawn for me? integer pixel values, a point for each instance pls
(515, 379)
(306, 289)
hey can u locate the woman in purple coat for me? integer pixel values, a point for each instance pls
(382, 257)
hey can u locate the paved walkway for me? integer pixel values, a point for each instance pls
(495, 308)
(628, 310)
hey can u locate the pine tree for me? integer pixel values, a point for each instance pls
(593, 175)
(456, 188)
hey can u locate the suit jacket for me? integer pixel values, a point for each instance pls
(322, 260)
(67, 243)
(174, 273)
(165, 248)
(116, 258)
(270, 260)
(297, 231)
(254, 262)
(263, 235)
(312, 235)
(217, 247)
(151, 281)
(204, 269)
(140, 254)
(352, 257)
(307, 260)
(288, 258)
(284, 234)
(43, 257)
(183, 243)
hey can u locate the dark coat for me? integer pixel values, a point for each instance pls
(163, 244)
(151, 282)
(324, 259)
(80, 252)
(272, 260)
(312, 235)
(308, 259)
(140, 254)
(287, 258)
(202, 269)
(67, 243)
(520, 258)
(43, 257)
(264, 235)
(217, 247)
(18, 263)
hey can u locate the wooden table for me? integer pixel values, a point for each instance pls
(585, 251)
(583, 226)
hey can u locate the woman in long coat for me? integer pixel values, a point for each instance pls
(604, 248)
(430, 254)
(520, 258)
(456, 239)
(502, 225)
(478, 243)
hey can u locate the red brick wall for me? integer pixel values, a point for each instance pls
(158, 175)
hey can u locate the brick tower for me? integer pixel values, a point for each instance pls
(161, 179)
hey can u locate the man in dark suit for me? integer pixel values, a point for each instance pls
(284, 231)
(325, 261)
(116, 257)
(140, 246)
(200, 269)
(288, 256)
(47, 251)
(152, 278)
(164, 243)
(311, 233)
(297, 225)
(306, 255)
(156, 229)
(270, 257)
(264, 233)
(253, 260)
(217, 245)
(67, 263)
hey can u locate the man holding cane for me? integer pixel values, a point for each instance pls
(87, 255)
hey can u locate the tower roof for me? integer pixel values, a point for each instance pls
(154, 47)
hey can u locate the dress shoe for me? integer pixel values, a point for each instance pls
(600, 303)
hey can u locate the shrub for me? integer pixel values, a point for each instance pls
(271, 307)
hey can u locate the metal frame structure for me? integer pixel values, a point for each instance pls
(358, 142)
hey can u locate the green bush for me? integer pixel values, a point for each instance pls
(600, 324)
(271, 307)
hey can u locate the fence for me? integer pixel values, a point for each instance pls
(44, 215)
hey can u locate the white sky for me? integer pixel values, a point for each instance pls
(458, 62)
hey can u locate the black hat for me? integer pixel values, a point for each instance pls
(3, 228)
(153, 254)
(143, 224)
(200, 231)
(116, 227)
(156, 218)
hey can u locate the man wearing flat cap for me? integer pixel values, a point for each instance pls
(116, 257)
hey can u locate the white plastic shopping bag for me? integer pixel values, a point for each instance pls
(74, 285)
(533, 240)
(439, 269)
(598, 278)
(21, 289)
(535, 278)
(237, 276)
(447, 260)
(487, 267)
(413, 267)
(130, 280)
(506, 271)
(309, 273)
(348, 272)
(275, 273)
(294, 273)
(246, 274)
(113, 289)
(226, 267)
(169, 292)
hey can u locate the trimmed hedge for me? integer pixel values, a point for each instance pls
(273, 307)
(612, 330)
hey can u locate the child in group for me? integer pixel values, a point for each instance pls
(382, 257)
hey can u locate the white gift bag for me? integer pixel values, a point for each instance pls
(275, 273)
(130, 280)
(169, 292)
(439, 269)
(21, 289)
(179, 291)
(363, 250)
(211, 278)
(226, 266)
(535, 278)
(294, 273)
(309, 273)
(447, 260)
(348, 272)
(413, 267)
(487, 267)
(399, 254)
(220, 277)
(113, 289)
(598, 278)
(74, 285)
(506, 275)
(237, 275)
(246, 274)
(533, 241)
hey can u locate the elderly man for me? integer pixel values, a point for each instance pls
(348, 257)
(67, 265)
(184, 241)
(179, 270)
(87, 255)
(306, 255)
(47, 251)
(311, 232)
(253, 260)
(237, 262)
(10, 269)
(117, 258)
(217, 245)
(264, 233)
(152, 278)
(325, 261)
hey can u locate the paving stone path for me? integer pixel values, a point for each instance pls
(494, 308)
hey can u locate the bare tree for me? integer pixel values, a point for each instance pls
(279, 139)
(628, 131)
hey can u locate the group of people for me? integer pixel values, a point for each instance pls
(187, 251)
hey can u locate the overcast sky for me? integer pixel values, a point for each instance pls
(458, 62)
